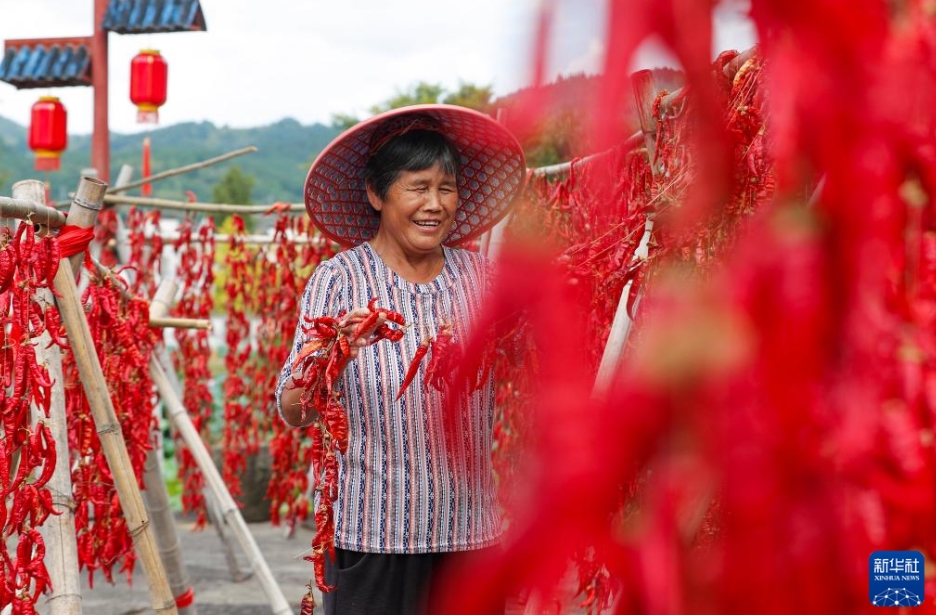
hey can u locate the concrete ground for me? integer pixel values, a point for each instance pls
(216, 591)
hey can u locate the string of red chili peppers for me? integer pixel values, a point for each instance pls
(601, 222)
(240, 435)
(196, 277)
(316, 371)
(124, 343)
(290, 449)
(26, 265)
(145, 250)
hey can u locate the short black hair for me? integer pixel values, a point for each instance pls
(414, 150)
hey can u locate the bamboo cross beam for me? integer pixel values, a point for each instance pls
(162, 321)
(34, 211)
(180, 323)
(171, 237)
(105, 418)
(217, 208)
(633, 141)
(180, 170)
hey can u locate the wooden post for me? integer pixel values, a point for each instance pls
(645, 91)
(230, 511)
(100, 137)
(83, 211)
(59, 530)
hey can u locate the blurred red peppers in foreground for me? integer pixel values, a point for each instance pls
(771, 422)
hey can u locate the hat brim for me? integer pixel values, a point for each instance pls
(492, 170)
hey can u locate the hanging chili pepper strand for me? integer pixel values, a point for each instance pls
(27, 452)
(240, 431)
(145, 242)
(196, 278)
(105, 236)
(290, 448)
(124, 343)
(317, 370)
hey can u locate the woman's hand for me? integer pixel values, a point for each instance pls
(358, 326)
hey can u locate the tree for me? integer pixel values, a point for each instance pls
(471, 96)
(343, 121)
(234, 188)
(421, 93)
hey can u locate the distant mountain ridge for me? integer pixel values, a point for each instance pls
(285, 150)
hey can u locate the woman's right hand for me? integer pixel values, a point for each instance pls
(351, 322)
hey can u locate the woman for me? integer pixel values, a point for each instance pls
(400, 190)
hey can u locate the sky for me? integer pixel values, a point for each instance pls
(263, 61)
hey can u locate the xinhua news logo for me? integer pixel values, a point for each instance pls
(895, 578)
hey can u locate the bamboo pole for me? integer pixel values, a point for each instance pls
(171, 237)
(180, 323)
(156, 497)
(211, 505)
(216, 518)
(59, 530)
(180, 170)
(34, 211)
(218, 208)
(89, 196)
(230, 511)
(633, 141)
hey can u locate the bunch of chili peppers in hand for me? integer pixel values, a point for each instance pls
(333, 342)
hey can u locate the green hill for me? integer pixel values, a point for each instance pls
(285, 150)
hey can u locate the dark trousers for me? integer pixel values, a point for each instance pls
(389, 583)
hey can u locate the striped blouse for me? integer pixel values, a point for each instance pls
(401, 489)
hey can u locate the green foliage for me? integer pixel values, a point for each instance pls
(420, 93)
(471, 96)
(286, 149)
(557, 140)
(279, 166)
(234, 188)
(343, 121)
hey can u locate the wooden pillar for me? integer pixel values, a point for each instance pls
(100, 139)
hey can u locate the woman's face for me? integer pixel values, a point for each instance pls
(419, 210)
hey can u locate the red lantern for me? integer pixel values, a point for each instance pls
(148, 77)
(48, 135)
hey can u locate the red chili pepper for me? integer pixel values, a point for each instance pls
(366, 326)
(307, 607)
(7, 269)
(413, 367)
(440, 360)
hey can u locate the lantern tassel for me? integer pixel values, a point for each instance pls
(147, 116)
(47, 162)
